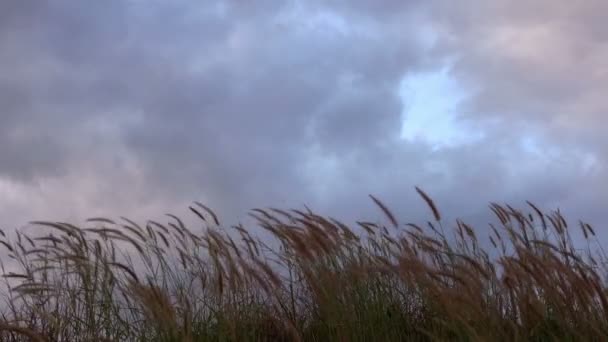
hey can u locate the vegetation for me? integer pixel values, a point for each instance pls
(315, 279)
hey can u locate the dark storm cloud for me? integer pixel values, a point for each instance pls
(137, 107)
(244, 123)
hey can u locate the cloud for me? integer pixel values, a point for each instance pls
(136, 108)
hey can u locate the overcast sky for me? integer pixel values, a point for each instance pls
(139, 107)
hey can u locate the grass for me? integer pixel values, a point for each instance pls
(316, 279)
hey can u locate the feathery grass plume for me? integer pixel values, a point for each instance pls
(386, 211)
(315, 278)
(430, 203)
(31, 335)
(210, 212)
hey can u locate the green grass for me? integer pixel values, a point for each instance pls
(316, 279)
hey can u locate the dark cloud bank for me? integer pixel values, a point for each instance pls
(137, 108)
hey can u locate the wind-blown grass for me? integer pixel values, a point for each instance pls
(317, 279)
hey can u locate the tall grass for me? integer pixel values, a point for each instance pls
(316, 279)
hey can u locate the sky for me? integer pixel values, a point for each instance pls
(137, 108)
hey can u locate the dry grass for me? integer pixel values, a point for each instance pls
(318, 280)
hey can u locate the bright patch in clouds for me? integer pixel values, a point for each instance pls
(431, 101)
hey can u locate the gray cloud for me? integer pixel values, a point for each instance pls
(136, 108)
